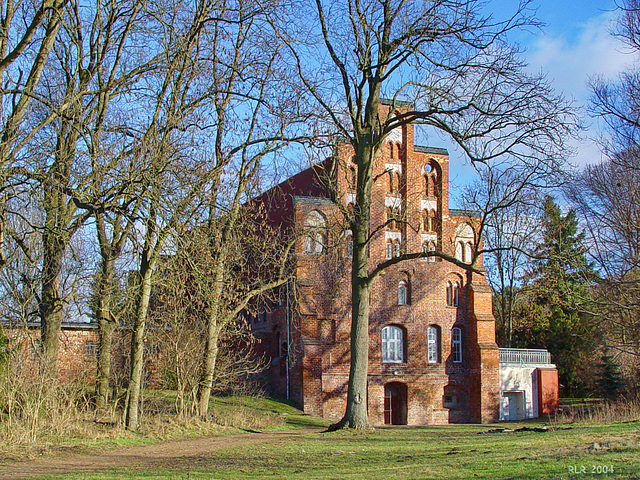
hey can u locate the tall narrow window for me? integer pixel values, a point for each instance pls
(392, 344)
(433, 344)
(349, 246)
(449, 294)
(388, 250)
(456, 293)
(403, 293)
(456, 345)
(396, 248)
(468, 252)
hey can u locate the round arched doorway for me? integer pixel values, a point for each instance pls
(395, 403)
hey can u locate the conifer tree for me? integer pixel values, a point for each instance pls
(554, 314)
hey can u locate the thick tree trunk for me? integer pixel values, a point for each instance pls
(137, 348)
(106, 329)
(50, 302)
(214, 326)
(356, 415)
(209, 365)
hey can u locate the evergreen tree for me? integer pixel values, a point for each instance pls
(610, 382)
(553, 314)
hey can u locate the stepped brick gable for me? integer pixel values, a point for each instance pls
(433, 356)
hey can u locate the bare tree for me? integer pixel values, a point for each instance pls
(508, 202)
(27, 35)
(606, 196)
(443, 64)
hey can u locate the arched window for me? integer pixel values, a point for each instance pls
(433, 344)
(388, 252)
(316, 239)
(390, 149)
(403, 293)
(464, 241)
(453, 293)
(392, 184)
(456, 345)
(392, 344)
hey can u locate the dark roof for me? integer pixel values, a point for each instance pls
(313, 200)
(434, 150)
(455, 212)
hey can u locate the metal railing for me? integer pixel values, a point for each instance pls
(524, 356)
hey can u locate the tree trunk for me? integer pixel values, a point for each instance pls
(356, 415)
(209, 365)
(106, 330)
(50, 302)
(137, 348)
(213, 336)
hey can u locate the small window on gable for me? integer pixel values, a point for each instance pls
(433, 344)
(456, 345)
(393, 344)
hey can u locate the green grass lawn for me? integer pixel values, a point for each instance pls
(450, 452)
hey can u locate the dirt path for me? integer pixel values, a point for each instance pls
(171, 454)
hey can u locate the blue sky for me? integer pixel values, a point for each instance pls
(575, 45)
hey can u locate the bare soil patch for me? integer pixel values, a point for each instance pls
(171, 454)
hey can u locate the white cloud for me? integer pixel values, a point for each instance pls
(570, 64)
(594, 51)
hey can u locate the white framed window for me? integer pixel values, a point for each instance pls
(433, 344)
(388, 253)
(396, 248)
(349, 247)
(392, 344)
(456, 345)
(403, 293)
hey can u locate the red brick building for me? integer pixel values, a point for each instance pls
(433, 356)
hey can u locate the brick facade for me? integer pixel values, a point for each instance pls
(306, 335)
